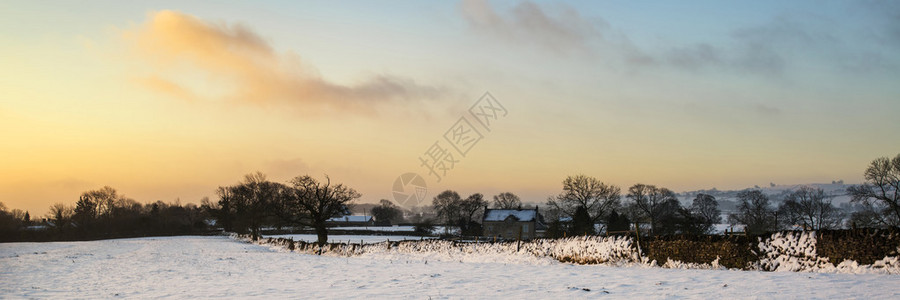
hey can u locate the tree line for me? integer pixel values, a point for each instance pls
(255, 202)
(584, 205)
(587, 205)
(245, 207)
(104, 213)
(586, 201)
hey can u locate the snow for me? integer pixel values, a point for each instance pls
(221, 267)
(345, 219)
(437, 230)
(608, 250)
(496, 215)
(395, 228)
(786, 251)
(796, 252)
(365, 239)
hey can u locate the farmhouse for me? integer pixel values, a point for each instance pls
(513, 223)
(351, 221)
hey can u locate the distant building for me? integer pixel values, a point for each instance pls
(513, 224)
(351, 221)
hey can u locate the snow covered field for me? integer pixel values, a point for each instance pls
(336, 238)
(208, 267)
(394, 228)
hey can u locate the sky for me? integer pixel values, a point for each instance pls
(167, 100)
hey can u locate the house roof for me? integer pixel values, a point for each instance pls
(351, 219)
(524, 215)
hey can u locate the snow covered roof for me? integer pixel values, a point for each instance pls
(351, 219)
(524, 215)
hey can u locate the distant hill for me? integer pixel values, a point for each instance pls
(777, 192)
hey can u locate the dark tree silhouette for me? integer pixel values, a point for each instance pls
(455, 211)
(754, 212)
(810, 207)
(581, 222)
(507, 200)
(386, 213)
(447, 205)
(653, 204)
(9, 222)
(250, 203)
(589, 193)
(705, 210)
(471, 207)
(689, 222)
(672, 218)
(882, 186)
(313, 202)
(94, 209)
(617, 222)
(61, 216)
(869, 214)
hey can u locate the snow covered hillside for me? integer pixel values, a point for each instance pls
(836, 191)
(209, 267)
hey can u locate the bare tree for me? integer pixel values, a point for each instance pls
(250, 203)
(61, 215)
(754, 212)
(706, 209)
(596, 197)
(869, 214)
(8, 221)
(810, 208)
(94, 205)
(653, 203)
(507, 200)
(882, 185)
(447, 205)
(313, 203)
(469, 208)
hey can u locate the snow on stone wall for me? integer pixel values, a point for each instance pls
(583, 250)
(782, 251)
(796, 252)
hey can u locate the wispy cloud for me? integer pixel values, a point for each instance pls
(248, 68)
(563, 31)
(767, 49)
(886, 14)
(157, 83)
(766, 109)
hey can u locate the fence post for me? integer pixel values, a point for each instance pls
(519, 240)
(637, 234)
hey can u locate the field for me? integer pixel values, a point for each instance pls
(209, 267)
(340, 238)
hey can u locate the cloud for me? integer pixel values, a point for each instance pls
(563, 32)
(886, 16)
(166, 86)
(766, 49)
(693, 57)
(245, 67)
(286, 168)
(766, 109)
